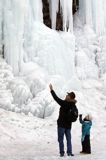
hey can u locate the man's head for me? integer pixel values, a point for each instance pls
(70, 96)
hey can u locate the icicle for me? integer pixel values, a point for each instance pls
(36, 8)
(88, 12)
(53, 11)
(98, 16)
(67, 15)
(82, 10)
(14, 12)
(104, 8)
(70, 15)
(92, 13)
(85, 11)
(1, 16)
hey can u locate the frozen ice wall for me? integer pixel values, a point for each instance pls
(14, 12)
(22, 41)
(1, 16)
(99, 9)
(15, 16)
(27, 39)
(93, 13)
(51, 50)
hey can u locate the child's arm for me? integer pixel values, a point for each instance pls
(80, 118)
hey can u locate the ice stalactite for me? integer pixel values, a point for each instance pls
(14, 12)
(98, 16)
(53, 12)
(88, 12)
(104, 8)
(67, 15)
(15, 15)
(34, 15)
(81, 11)
(85, 11)
(1, 25)
(36, 9)
(66, 11)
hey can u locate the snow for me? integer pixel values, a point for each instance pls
(28, 137)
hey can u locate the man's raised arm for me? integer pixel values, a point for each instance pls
(56, 98)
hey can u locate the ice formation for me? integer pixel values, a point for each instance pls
(18, 18)
(53, 10)
(40, 55)
(67, 14)
(93, 13)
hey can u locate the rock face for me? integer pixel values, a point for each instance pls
(59, 22)
(46, 13)
(75, 5)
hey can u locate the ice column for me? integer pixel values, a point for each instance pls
(36, 8)
(99, 16)
(88, 12)
(53, 11)
(85, 11)
(14, 12)
(66, 9)
(93, 13)
(67, 15)
(82, 10)
(1, 23)
(104, 8)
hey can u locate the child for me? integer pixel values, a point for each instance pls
(85, 139)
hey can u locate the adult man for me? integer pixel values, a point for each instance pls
(64, 126)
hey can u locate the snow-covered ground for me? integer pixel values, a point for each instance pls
(28, 138)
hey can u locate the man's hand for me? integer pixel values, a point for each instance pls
(51, 87)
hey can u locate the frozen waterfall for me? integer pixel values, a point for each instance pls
(21, 40)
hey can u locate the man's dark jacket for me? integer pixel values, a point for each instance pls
(64, 108)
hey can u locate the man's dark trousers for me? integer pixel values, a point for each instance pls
(67, 133)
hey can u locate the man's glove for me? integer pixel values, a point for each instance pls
(51, 87)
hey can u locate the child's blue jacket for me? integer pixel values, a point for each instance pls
(86, 126)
